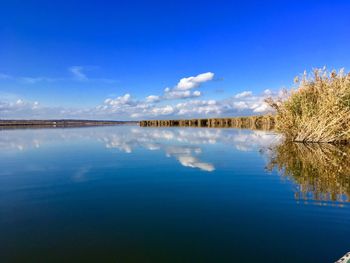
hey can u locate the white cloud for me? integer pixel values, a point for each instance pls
(125, 107)
(199, 107)
(166, 110)
(260, 108)
(153, 106)
(78, 73)
(268, 92)
(194, 82)
(18, 108)
(183, 89)
(172, 94)
(196, 93)
(152, 98)
(250, 103)
(120, 107)
(120, 101)
(243, 94)
(240, 105)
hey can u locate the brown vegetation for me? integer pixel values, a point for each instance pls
(266, 122)
(318, 110)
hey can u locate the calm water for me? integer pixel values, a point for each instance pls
(130, 194)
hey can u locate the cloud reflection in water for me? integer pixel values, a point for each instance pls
(317, 172)
(183, 144)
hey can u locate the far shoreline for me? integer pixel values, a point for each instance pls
(59, 123)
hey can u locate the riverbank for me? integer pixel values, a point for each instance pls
(263, 122)
(12, 124)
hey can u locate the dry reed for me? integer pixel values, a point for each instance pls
(318, 110)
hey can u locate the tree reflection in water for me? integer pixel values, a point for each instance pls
(321, 171)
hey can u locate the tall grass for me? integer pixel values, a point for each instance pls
(318, 110)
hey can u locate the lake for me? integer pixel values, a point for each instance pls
(132, 194)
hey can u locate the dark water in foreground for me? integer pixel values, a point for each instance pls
(130, 194)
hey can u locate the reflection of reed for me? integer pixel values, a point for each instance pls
(321, 171)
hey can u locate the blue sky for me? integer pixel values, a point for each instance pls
(102, 59)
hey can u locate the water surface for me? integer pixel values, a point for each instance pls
(131, 194)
